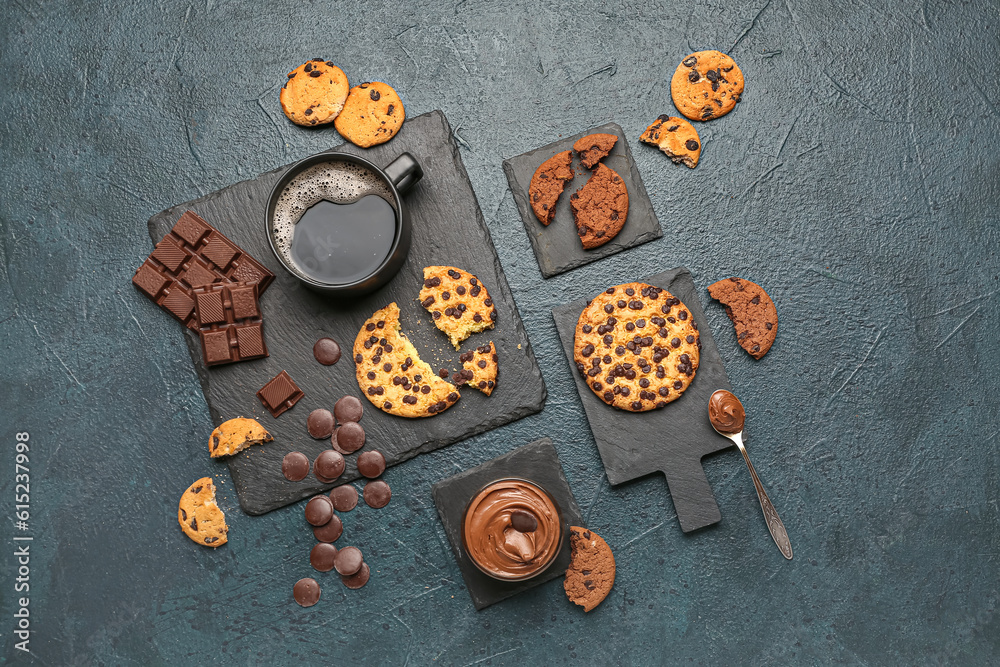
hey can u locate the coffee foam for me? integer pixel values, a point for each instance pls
(338, 182)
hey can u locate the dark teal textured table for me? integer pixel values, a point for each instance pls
(858, 181)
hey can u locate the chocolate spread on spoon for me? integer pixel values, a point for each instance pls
(726, 412)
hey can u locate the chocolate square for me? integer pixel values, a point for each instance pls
(537, 462)
(169, 254)
(229, 323)
(280, 394)
(220, 252)
(191, 228)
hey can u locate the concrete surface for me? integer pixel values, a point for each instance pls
(857, 181)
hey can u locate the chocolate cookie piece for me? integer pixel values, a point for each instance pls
(594, 147)
(372, 115)
(457, 301)
(479, 368)
(314, 93)
(200, 518)
(391, 374)
(591, 572)
(548, 183)
(676, 137)
(752, 312)
(235, 435)
(637, 347)
(600, 207)
(706, 85)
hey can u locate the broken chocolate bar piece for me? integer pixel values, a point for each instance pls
(194, 254)
(229, 323)
(280, 394)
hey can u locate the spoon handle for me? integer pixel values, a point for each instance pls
(774, 523)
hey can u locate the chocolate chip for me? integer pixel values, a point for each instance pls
(392, 107)
(309, 67)
(374, 95)
(691, 144)
(460, 290)
(482, 364)
(608, 396)
(587, 328)
(445, 295)
(755, 300)
(676, 342)
(452, 397)
(690, 61)
(315, 73)
(443, 373)
(694, 77)
(768, 325)
(308, 112)
(427, 302)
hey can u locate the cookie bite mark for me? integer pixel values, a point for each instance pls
(314, 93)
(479, 368)
(600, 207)
(676, 137)
(706, 85)
(372, 115)
(200, 517)
(594, 147)
(591, 572)
(548, 183)
(457, 301)
(752, 312)
(392, 375)
(235, 435)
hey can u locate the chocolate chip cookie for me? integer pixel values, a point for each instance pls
(752, 312)
(706, 85)
(391, 374)
(591, 571)
(372, 115)
(548, 183)
(676, 137)
(314, 93)
(594, 147)
(637, 347)
(200, 518)
(600, 207)
(479, 368)
(236, 435)
(458, 302)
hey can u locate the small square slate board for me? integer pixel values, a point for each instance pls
(671, 440)
(537, 462)
(448, 228)
(557, 247)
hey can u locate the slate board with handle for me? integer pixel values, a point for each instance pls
(671, 440)
(448, 229)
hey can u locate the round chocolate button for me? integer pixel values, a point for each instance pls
(344, 498)
(306, 592)
(327, 351)
(377, 494)
(371, 464)
(348, 561)
(319, 511)
(322, 557)
(320, 423)
(350, 437)
(295, 466)
(331, 532)
(335, 445)
(329, 465)
(359, 579)
(348, 409)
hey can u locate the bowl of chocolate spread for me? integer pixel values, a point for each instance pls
(512, 529)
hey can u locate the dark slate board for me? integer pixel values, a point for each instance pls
(448, 228)
(537, 462)
(557, 247)
(671, 440)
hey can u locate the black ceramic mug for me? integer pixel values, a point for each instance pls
(397, 178)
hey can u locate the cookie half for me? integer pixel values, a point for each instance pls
(752, 312)
(457, 301)
(706, 85)
(236, 435)
(314, 93)
(479, 368)
(637, 347)
(676, 137)
(600, 207)
(391, 374)
(591, 572)
(594, 147)
(372, 115)
(200, 518)
(548, 183)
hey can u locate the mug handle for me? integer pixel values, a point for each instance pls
(404, 172)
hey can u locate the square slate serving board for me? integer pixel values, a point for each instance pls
(537, 462)
(448, 228)
(671, 440)
(557, 247)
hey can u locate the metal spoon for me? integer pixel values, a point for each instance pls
(726, 414)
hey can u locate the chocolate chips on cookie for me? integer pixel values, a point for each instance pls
(752, 312)
(548, 183)
(676, 137)
(706, 85)
(600, 207)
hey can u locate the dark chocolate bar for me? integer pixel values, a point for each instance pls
(194, 254)
(229, 323)
(280, 394)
